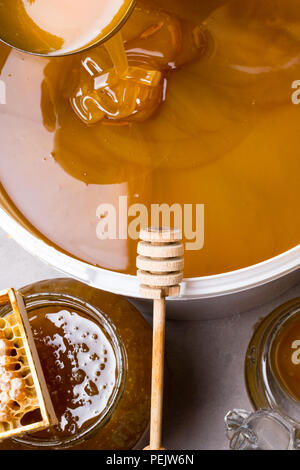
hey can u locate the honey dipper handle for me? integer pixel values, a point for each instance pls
(160, 264)
(159, 320)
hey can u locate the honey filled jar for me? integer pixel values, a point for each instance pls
(95, 351)
(272, 375)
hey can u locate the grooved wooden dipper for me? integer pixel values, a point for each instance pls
(160, 265)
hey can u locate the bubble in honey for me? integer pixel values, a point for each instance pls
(71, 348)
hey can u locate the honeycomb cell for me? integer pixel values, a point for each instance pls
(17, 392)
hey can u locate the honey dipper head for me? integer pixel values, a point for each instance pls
(160, 262)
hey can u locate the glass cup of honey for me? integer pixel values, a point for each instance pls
(85, 366)
(98, 376)
(272, 375)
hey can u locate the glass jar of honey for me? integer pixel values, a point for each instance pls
(272, 375)
(98, 375)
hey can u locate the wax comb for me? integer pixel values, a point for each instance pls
(23, 387)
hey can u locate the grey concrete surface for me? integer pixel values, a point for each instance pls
(205, 360)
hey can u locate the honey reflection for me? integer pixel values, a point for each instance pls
(225, 134)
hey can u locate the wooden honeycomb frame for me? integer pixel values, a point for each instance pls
(15, 328)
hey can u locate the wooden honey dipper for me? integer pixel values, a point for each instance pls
(160, 265)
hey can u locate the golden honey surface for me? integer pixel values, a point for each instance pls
(79, 364)
(60, 25)
(202, 115)
(80, 368)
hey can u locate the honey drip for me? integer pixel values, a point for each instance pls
(79, 364)
(133, 87)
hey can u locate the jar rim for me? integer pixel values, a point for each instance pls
(38, 300)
